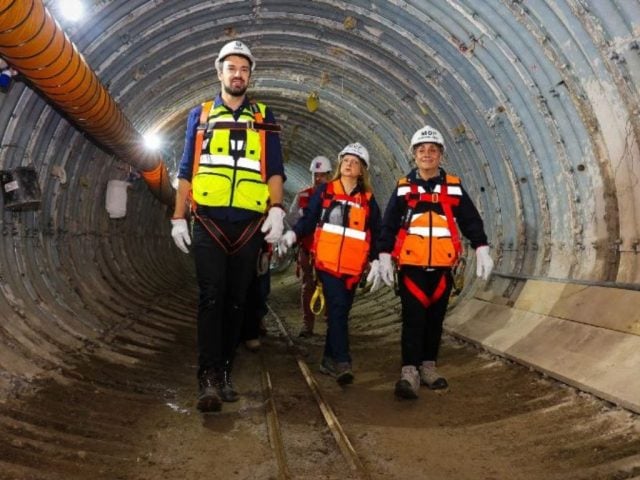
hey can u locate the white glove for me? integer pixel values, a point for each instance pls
(484, 262)
(286, 241)
(273, 225)
(374, 275)
(386, 268)
(180, 234)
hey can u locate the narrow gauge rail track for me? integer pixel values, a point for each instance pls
(345, 446)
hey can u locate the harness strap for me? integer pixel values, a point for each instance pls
(329, 196)
(421, 296)
(351, 281)
(251, 125)
(445, 200)
(412, 200)
(257, 115)
(202, 127)
(230, 247)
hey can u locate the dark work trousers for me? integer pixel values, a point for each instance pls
(223, 280)
(256, 308)
(338, 299)
(422, 327)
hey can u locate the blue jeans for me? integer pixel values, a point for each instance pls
(338, 299)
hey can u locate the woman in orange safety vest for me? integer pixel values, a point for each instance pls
(344, 218)
(420, 232)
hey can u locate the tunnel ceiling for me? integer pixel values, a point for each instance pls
(538, 102)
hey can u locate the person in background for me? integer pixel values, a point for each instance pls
(420, 233)
(345, 217)
(320, 169)
(231, 179)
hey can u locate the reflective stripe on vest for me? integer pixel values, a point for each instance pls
(227, 161)
(343, 249)
(344, 231)
(222, 180)
(452, 190)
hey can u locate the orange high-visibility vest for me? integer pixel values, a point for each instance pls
(343, 249)
(429, 239)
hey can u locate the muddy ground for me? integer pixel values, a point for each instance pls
(130, 413)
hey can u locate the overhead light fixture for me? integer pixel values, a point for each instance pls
(152, 141)
(72, 10)
(312, 102)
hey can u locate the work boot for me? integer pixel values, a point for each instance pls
(208, 395)
(430, 377)
(409, 383)
(344, 375)
(327, 366)
(227, 392)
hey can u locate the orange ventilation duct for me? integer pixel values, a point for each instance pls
(33, 43)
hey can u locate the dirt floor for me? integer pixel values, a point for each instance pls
(130, 414)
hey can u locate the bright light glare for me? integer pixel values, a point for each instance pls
(72, 10)
(152, 141)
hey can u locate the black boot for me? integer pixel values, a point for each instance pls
(227, 392)
(208, 395)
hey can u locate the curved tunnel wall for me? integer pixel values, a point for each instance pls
(538, 103)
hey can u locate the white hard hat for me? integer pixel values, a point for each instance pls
(358, 150)
(235, 48)
(320, 164)
(427, 134)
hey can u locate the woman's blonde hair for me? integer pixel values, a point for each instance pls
(364, 181)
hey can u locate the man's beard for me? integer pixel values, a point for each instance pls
(234, 91)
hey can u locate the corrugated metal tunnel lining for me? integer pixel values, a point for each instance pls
(540, 107)
(519, 100)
